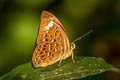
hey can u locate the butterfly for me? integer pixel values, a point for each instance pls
(52, 43)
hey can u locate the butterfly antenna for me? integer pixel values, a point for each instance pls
(79, 38)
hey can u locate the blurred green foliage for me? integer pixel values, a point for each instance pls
(84, 67)
(19, 20)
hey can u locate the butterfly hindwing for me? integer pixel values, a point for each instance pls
(52, 43)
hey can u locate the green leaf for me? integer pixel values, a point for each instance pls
(84, 66)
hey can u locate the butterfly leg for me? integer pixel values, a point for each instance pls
(61, 58)
(60, 62)
(73, 57)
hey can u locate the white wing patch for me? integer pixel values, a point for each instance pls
(49, 25)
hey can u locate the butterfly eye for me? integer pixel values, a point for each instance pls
(72, 45)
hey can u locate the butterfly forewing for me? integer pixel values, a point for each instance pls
(52, 43)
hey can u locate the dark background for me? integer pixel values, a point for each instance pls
(19, 21)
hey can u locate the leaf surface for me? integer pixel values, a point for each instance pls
(84, 66)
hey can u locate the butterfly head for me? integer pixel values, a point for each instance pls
(72, 45)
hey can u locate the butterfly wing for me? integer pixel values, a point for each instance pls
(52, 43)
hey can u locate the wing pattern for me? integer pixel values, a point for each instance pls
(52, 43)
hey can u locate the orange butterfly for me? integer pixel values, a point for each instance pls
(52, 43)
